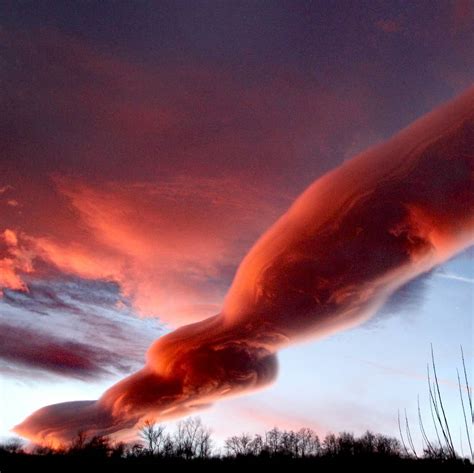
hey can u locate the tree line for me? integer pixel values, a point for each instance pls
(191, 442)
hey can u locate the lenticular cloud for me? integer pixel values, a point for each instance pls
(346, 244)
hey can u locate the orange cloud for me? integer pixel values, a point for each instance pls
(165, 244)
(123, 128)
(16, 260)
(347, 243)
(8, 276)
(10, 238)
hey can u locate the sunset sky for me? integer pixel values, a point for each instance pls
(145, 146)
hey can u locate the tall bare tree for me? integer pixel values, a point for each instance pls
(239, 445)
(153, 436)
(192, 439)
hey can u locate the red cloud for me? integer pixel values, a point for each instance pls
(122, 131)
(348, 242)
(163, 243)
(15, 261)
(52, 354)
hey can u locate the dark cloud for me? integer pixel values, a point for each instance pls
(41, 351)
(408, 298)
(70, 327)
(75, 109)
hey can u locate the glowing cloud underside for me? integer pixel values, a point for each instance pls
(347, 243)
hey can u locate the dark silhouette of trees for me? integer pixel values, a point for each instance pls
(13, 446)
(305, 443)
(276, 442)
(191, 443)
(308, 443)
(191, 440)
(95, 447)
(240, 445)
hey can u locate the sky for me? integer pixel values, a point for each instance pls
(144, 149)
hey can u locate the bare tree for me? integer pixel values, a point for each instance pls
(257, 445)
(387, 445)
(192, 439)
(308, 442)
(273, 440)
(289, 444)
(98, 446)
(346, 444)
(153, 436)
(303, 443)
(469, 399)
(79, 442)
(204, 443)
(443, 447)
(239, 445)
(439, 408)
(330, 445)
(14, 445)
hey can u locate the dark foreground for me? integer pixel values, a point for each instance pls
(190, 447)
(12, 463)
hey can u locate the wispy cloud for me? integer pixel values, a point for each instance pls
(172, 247)
(71, 327)
(454, 277)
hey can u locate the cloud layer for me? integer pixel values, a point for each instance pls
(171, 247)
(71, 327)
(353, 238)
